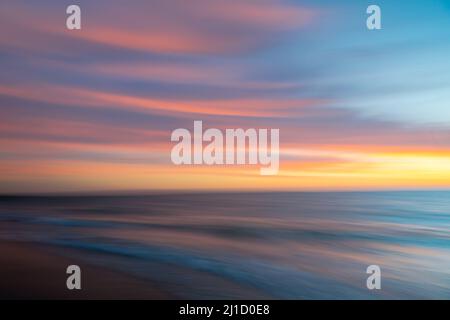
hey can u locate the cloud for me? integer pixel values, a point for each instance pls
(103, 101)
(174, 26)
(71, 96)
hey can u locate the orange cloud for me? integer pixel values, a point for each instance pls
(195, 27)
(92, 98)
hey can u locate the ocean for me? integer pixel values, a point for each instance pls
(280, 245)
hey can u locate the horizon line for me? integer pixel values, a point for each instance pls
(111, 193)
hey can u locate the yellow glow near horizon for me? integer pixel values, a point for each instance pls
(339, 170)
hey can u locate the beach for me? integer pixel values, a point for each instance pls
(30, 271)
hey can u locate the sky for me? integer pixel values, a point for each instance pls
(93, 109)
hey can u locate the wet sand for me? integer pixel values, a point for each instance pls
(30, 271)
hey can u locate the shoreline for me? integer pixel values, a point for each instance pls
(35, 271)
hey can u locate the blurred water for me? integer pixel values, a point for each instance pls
(252, 245)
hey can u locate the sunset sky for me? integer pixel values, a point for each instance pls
(93, 109)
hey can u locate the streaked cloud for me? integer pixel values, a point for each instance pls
(93, 109)
(201, 26)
